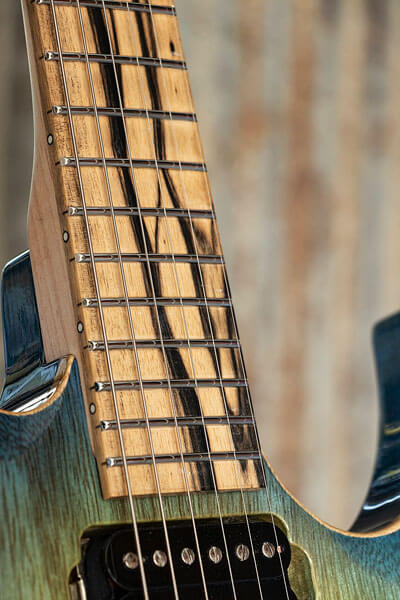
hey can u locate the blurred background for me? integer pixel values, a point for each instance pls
(299, 108)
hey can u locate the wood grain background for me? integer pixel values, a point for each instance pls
(299, 109)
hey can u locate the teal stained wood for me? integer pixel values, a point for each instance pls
(50, 494)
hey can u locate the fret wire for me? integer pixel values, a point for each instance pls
(170, 422)
(199, 302)
(179, 439)
(129, 112)
(114, 4)
(140, 61)
(96, 346)
(238, 470)
(189, 457)
(102, 321)
(69, 161)
(176, 384)
(185, 322)
(244, 371)
(206, 259)
(156, 475)
(77, 211)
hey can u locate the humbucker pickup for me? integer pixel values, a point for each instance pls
(110, 565)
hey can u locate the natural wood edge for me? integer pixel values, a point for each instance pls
(382, 532)
(48, 254)
(60, 383)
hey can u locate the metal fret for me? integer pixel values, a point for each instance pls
(188, 457)
(69, 161)
(93, 303)
(128, 211)
(141, 61)
(180, 421)
(209, 259)
(99, 346)
(115, 4)
(161, 384)
(126, 113)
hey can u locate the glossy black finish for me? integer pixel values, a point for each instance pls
(382, 505)
(23, 348)
(28, 380)
(26, 375)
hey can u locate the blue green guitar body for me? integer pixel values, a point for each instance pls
(50, 493)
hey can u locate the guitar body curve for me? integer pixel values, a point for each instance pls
(51, 494)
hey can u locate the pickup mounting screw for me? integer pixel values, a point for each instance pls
(160, 558)
(92, 409)
(215, 554)
(188, 556)
(242, 552)
(50, 139)
(130, 560)
(65, 236)
(268, 550)
(80, 327)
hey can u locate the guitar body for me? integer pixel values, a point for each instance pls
(46, 506)
(130, 466)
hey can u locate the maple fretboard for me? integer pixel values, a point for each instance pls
(160, 358)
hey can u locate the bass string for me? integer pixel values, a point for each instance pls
(126, 295)
(101, 313)
(185, 323)
(264, 475)
(239, 478)
(173, 404)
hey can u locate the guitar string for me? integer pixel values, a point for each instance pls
(173, 404)
(268, 494)
(102, 320)
(126, 295)
(184, 319)
(239, 478)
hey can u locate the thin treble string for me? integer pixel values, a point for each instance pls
(169, 552)
(241, 360)
(173, 404)
(184, 319)
(237, 466)
(98, 296)
(239, 479)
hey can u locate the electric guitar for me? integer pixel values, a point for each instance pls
(130, 465)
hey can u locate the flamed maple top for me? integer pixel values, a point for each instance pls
(156, 339)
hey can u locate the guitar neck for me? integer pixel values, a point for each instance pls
(127, 260)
